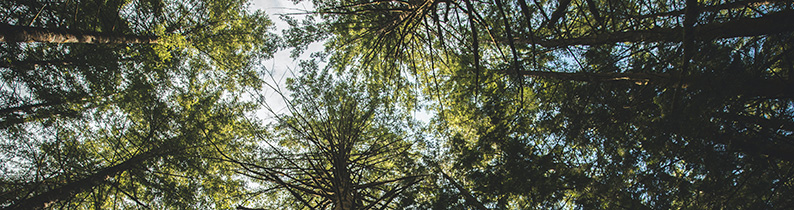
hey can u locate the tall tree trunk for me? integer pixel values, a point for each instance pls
(44, 200)
(766, 88)
(768, 24)
(761, 88)
(344, 196)
(14, 33)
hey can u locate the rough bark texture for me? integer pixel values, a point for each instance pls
(14, 33)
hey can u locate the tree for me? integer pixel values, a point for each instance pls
(590, 104)
(124, 125)
(130, 156)
(342, 146)
(231, 39)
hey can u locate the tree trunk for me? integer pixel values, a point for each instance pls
(769, 24)
(344, 196)
(765, 88)
(14, 33)
(44, 200)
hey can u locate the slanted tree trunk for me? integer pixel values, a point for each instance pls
(14, 115)
(15, 33)
(769, 88)
(46, 199)
(769, 24)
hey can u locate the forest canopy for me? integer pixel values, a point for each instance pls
(532, 104)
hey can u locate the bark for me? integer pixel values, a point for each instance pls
(756, 88)
(14, 33)
(44, 200)
(344, 196)
(764, 88)
(780, 22)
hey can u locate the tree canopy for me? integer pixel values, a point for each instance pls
(121, 123)
(532, 104)
(588, 104)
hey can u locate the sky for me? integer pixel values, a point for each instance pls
(281, 63)
(278, 7)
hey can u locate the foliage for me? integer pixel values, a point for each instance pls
(128, 125)
(588, 104)
(340, 147)
(568, 104)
